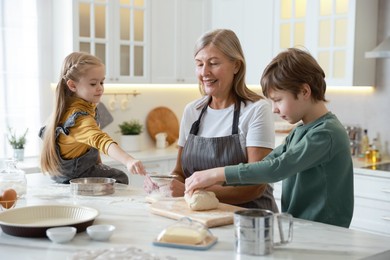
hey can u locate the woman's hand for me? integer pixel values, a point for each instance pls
(174, 188)
(204, 179)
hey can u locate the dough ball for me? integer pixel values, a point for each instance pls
(202, 200)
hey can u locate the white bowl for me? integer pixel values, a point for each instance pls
(100, 232)
(61, 234)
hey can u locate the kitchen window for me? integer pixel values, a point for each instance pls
(20, 76)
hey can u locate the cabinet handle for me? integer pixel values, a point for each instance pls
(387, 218)
(386, 190)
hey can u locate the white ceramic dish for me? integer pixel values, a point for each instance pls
(186, 233)
(61, 234)
(100, 232)
(33, 221)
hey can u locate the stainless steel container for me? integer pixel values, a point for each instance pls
(92, 186)
(254, 231)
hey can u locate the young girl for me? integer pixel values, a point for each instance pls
(73, 139)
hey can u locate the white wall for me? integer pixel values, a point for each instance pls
(141, 105)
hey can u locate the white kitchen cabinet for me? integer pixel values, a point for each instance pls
(176, 26)
(117, 31)
(336, 32)
(252, 21)
(372, 202)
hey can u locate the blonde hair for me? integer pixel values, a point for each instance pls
(227, 42)
(74, 67)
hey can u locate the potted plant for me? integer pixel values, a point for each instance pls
(130, 139)
(17, 143)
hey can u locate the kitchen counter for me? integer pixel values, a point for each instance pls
(137, 227)
(360, 164)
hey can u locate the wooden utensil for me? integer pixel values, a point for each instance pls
(162, 119)
(177, 209)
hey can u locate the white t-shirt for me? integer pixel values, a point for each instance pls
(256, 123)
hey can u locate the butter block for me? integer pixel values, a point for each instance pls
(182, 235)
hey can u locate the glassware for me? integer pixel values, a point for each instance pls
(13, 177)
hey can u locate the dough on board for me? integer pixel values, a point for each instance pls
(202, 200)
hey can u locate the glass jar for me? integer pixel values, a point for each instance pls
(13, 177)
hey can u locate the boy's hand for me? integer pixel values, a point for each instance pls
(204, 179)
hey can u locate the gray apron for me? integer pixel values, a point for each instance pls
(85, 165)
(201, 153)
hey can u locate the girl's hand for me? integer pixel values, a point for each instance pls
(204, 179)
(149, 185)
(135, 166)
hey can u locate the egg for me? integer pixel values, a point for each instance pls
(8, 199)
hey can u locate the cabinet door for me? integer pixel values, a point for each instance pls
(176, 25)
(116, 32)
(334, 32)
(91, 29)
(163, 41)
(372, 203)
(254, 31)
(130, 48)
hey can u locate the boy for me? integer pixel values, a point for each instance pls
(315, 163)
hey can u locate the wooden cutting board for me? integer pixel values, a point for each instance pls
(177, 209)
(162, 119)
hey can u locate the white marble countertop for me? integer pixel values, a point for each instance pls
(137, 227)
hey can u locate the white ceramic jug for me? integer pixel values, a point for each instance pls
(161, 140)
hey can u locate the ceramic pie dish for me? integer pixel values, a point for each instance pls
(33, 221)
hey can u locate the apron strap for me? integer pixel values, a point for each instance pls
(195, 126)
(236, 118)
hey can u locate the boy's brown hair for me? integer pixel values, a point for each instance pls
(292, 68)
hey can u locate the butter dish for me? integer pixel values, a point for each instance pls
(186, 234)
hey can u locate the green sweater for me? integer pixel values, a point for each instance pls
(315, 165)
